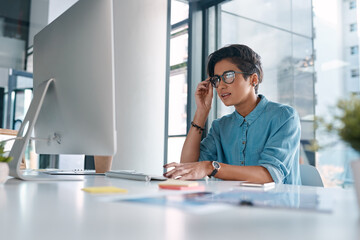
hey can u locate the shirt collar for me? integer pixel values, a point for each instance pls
(255, 113)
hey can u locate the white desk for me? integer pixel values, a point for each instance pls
(60, 210)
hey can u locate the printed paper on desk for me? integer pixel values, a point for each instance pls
(173, 182)
(168, 187)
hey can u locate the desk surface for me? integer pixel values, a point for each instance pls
(60, 210)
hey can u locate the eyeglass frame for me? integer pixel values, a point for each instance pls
(221, 77)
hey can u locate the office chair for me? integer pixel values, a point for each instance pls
(310, 176)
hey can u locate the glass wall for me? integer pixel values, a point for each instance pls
(310, 54)
(337, 69)
(281, 33)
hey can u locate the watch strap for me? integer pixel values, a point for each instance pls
(213, 173)
(216, 167)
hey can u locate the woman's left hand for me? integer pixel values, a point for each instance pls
(185, 171)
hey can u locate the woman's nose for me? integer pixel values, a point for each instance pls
(222, 84)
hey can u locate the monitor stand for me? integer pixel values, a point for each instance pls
(23, 137)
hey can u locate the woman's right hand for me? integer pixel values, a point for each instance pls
(204, 95)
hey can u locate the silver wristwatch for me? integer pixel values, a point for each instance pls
(216, 166)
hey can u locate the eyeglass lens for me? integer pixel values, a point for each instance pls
(228, 77)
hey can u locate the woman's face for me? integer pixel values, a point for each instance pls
(237, 93)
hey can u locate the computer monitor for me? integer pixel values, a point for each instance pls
(73, 108)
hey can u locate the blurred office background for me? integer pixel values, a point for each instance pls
(310, 59)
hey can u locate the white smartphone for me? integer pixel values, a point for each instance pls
(257, 185)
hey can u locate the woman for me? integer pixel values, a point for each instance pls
(258, 142)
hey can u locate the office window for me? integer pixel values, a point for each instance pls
(337, 76)
(177, 114)
(354, 72)
(179, 11)
(353, 27)
(287, 53)
(352, 4)
(354, 50)
(14, 34)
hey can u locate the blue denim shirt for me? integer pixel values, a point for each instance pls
(269, 136)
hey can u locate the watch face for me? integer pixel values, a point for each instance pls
(216, 165)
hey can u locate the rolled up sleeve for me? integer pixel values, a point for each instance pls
(281, 149)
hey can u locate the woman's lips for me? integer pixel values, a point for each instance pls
(225, 95)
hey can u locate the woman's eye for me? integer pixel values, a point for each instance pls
(229, 75)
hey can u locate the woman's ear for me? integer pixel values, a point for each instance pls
(254, 79)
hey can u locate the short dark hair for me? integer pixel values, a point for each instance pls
(242, 56)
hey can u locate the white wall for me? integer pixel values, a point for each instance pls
(140, 68)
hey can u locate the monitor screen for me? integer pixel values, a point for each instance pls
(77, 51)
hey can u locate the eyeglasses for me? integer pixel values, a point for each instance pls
(228, 77)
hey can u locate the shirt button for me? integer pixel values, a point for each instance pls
(244, 142)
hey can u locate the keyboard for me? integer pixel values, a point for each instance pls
(133, 175)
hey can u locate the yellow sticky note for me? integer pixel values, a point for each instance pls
(107, 189)
(172, 182)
